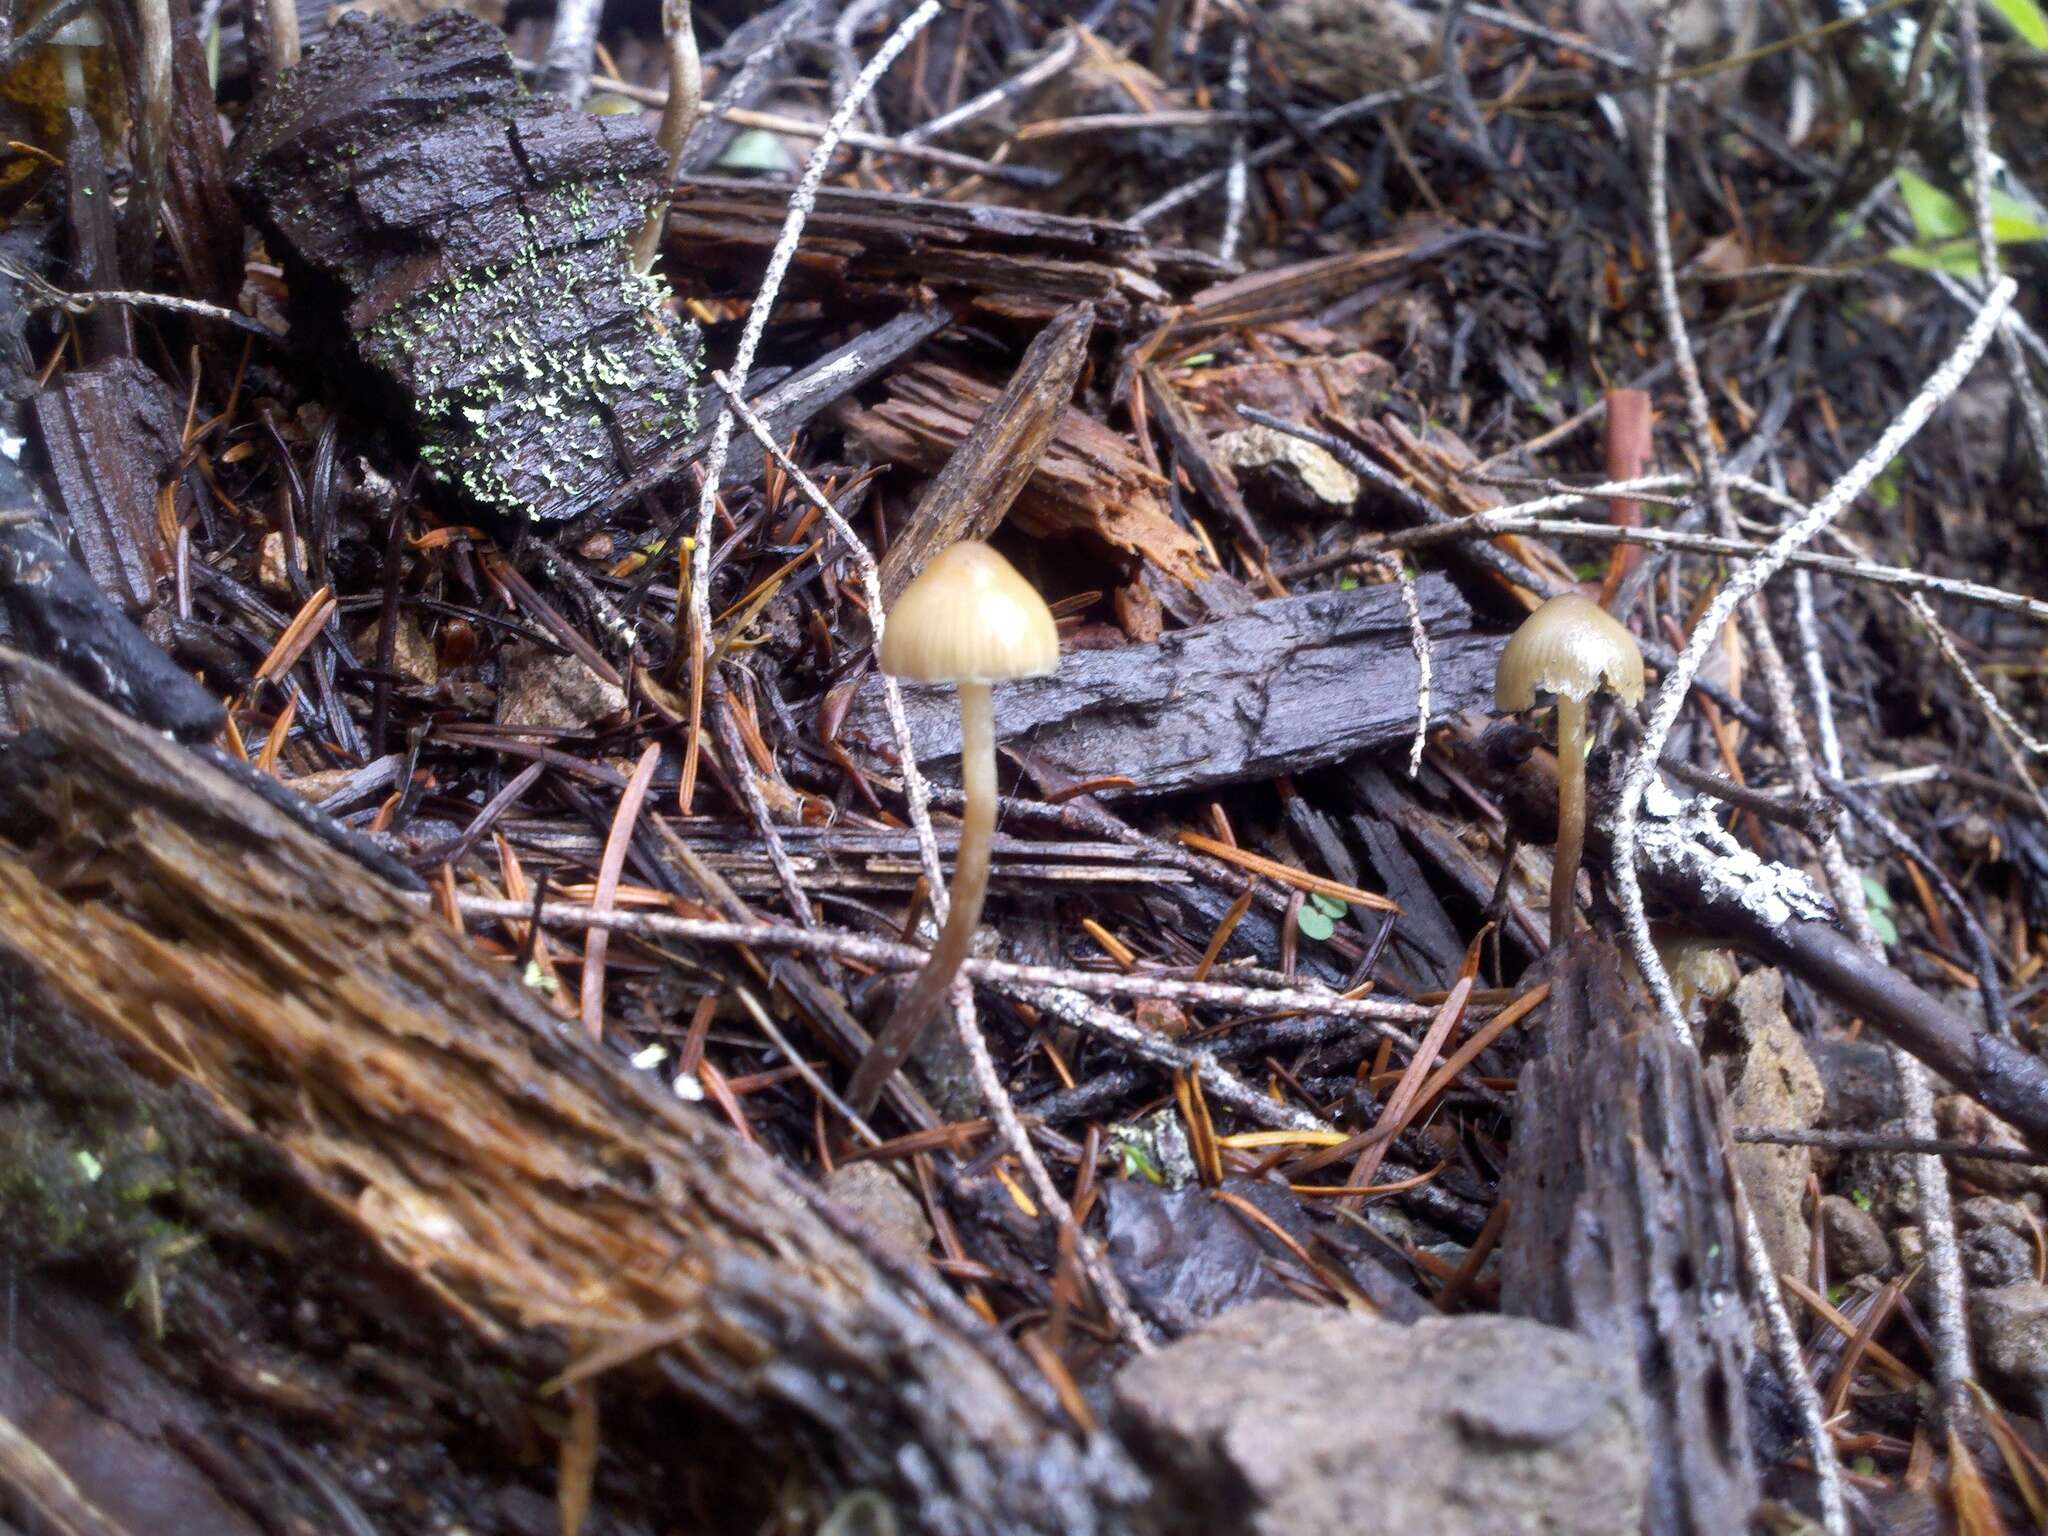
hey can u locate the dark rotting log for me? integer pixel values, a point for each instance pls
(556, 1208)
(473, 240)
(1622, 1226)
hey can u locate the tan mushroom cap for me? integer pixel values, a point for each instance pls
(969, 617)
(1570, 646)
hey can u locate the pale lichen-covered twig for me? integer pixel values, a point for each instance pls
(1672, 692)
(1057, 58)
(565, 72)
(1784, 1341)
(1235, 183)
(152, 136)
(1116, 1300)
(1977, 134)
(1376, 1019)
(801, 201)
(915, 793)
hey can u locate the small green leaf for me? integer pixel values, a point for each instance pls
(1958, 258)
(1329, 906)
(1875, 892)
(1861, 1199)
(1936, 215)
(756, 149)
(1314, 922)
(1138, 1166)
(1886, 930)
(2025, 18)
(2012, 222)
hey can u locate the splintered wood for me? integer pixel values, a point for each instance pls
(518, 1172)
(880, 247)
(1089, 481)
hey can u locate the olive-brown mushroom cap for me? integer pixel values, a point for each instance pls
(969, 617)
(1570, 646)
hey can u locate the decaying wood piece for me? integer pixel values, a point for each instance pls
(1622, 1226)
(1284, 687)
(553, 1204)
(970, 496)
(199, 218)
(1089, 480)
(111, 435)
(477, 237)
(884, 247)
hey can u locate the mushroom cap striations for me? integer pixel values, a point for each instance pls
(969, 617)
(1570, 646)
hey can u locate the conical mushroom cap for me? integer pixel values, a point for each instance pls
(968, 617)
(1570, 646)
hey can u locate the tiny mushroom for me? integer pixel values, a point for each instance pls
(970, 620)
(81, 32)
(1573, 648)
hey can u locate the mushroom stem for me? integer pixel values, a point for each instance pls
(1571, 814)
(921, 1003)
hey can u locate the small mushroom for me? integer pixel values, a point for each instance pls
(970, 620)
(1573, 648)
(70, 40)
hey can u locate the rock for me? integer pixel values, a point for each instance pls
(1884, 1181)
(1990, 1211)
(883, 1201)
(542, 688)
(1997, 1240)
(1285, 474)
(2011, 1332)
(412, 653)
(1283, 1418)
(1779, 1088)
(1347, 48)
(1996, 1256)
(1856, 1243)
(1187, 1257)
(1857, 1077)
(1964, 1119)
(272, 573)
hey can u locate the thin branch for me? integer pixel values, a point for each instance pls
(1870, 1141)
(571, 46)
(801, 201)
(1239, 177)
(916, 794)
(1378, 1020)
(1266, 154)
(1116, 1301)
(1062, 54)
(1784, 1341)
